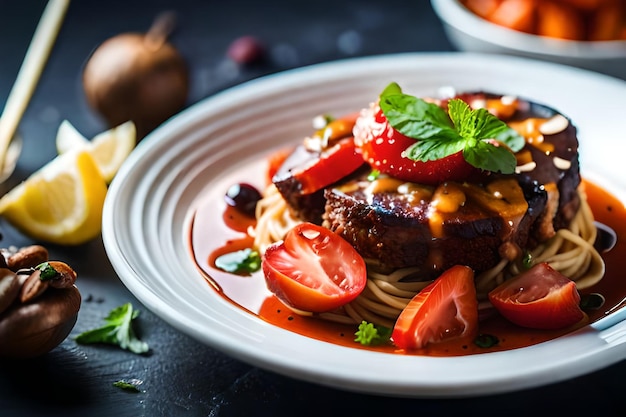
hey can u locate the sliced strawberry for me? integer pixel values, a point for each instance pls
(382, 147)
(540, 298)
(445, 309)
(314, 269)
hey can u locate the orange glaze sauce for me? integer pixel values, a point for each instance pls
(250, 293)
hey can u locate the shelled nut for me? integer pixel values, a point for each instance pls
(65, 275)
(9, 288)
(33, 287)
(21, 258)
(39, 302)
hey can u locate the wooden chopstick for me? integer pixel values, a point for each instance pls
(30, 71)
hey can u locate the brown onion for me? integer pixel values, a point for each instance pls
(138, 77)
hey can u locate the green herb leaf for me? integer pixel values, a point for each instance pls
(117, 331)
(486, 341)
(527, 260)
(48, 273)
(414, 117)
(474, 124)
(240, 262)
(490, 157)
(370, 334)
(479, 134)
(511, 138)
(391, 89)
(373, 175)
(126, 386)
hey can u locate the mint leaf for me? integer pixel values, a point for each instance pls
(480, 124)
(391, 89)
(490, 157)
(431, 150)
(117, 330)
(240, 262)
(416, 118)
(477, 124)
(512, 139)
(439, 134)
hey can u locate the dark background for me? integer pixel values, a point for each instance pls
(180, 376)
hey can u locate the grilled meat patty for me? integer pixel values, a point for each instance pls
(395, 224)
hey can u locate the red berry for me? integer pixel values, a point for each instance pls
(246, 50)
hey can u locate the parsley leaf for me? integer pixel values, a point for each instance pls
(527, 260)
(240, 262)
(127, 386)
(373, 175)
(486, 141)
(117, 331)
(48, 273)
(370, 334)
(486, 341)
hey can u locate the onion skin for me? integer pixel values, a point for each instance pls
(133, 77)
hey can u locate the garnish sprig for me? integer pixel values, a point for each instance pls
(369, 334)
(117, 330)
(487, 142)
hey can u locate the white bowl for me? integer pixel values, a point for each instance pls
(468, 32)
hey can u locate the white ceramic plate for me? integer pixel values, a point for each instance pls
(471, 33)
(194, 157)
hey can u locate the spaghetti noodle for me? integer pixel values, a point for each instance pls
(571, 251)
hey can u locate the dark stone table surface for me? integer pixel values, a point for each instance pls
(182, 377)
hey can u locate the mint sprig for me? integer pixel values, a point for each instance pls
(487, 142)
(117, 330)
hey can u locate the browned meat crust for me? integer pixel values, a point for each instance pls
(391, 229)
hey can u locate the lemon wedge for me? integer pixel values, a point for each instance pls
(61, 202)
(109, 148)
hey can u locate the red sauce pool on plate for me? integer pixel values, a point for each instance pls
(250, 293)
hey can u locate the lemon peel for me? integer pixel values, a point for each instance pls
(109, 148)
(61, 202)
